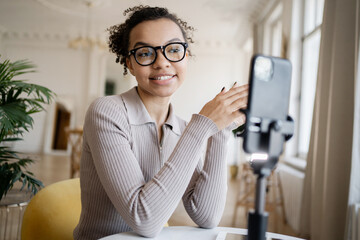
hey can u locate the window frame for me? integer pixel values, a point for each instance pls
(268, 23)
(304, 36)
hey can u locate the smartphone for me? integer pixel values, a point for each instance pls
(222, 235)
(268, 100)
(236, 236)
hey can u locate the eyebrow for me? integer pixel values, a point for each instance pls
(137, 44)
(141, 44)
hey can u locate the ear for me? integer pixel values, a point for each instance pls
(130, 66)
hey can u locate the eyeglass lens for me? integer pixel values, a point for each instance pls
(174, 52)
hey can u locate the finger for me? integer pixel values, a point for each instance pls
(240, 120)
(236, 89)
(244, 87)
(233, 98)
(239, 103)
(222, 92)
(236, 97)
(236, 115)
(244, 91)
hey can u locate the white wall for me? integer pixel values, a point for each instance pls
(2, 50)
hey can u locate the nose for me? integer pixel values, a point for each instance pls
(161, 61)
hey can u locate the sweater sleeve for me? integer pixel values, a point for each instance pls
(205, 197)
(145, 206)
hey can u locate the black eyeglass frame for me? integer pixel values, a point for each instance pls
(184, 44)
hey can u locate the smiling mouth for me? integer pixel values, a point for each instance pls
(161, 78)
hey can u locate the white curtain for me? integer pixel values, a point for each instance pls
(331, 172)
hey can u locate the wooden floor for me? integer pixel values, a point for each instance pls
(51, 168)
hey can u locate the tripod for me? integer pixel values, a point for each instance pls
(273, 133)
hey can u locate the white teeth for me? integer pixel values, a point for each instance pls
(163, 78)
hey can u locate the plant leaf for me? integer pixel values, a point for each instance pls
(18, 100)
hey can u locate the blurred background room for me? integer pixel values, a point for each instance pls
(313, 192)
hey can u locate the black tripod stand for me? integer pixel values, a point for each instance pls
(273, 133)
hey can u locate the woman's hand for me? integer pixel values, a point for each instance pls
(224, 108)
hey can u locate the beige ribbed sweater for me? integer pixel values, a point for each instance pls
(131, 182)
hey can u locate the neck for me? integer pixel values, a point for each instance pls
(157, 107)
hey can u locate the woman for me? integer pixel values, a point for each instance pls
(139, 159)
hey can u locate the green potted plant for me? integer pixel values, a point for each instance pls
(18, 101)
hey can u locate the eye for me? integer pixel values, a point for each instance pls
(175, 48)
(144, 53)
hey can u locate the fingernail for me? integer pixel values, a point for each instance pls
(222, 89)
(235, 83)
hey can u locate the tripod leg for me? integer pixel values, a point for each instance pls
(259, 218)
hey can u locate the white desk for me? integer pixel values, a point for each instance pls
(193, 233)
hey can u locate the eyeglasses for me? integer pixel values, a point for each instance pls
(146, 55)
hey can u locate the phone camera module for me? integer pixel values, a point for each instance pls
(263, 69)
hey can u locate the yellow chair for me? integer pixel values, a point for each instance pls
(53, 212)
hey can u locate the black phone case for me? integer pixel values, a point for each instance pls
(267, 101)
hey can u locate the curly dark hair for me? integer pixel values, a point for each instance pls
(120, 33)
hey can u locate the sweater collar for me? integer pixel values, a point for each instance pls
(138, 114)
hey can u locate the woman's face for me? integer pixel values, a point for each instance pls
(162, 78)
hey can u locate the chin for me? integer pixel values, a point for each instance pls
(165, 92)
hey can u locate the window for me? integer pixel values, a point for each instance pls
(273, 32)
(305, 18)
(313, 11)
